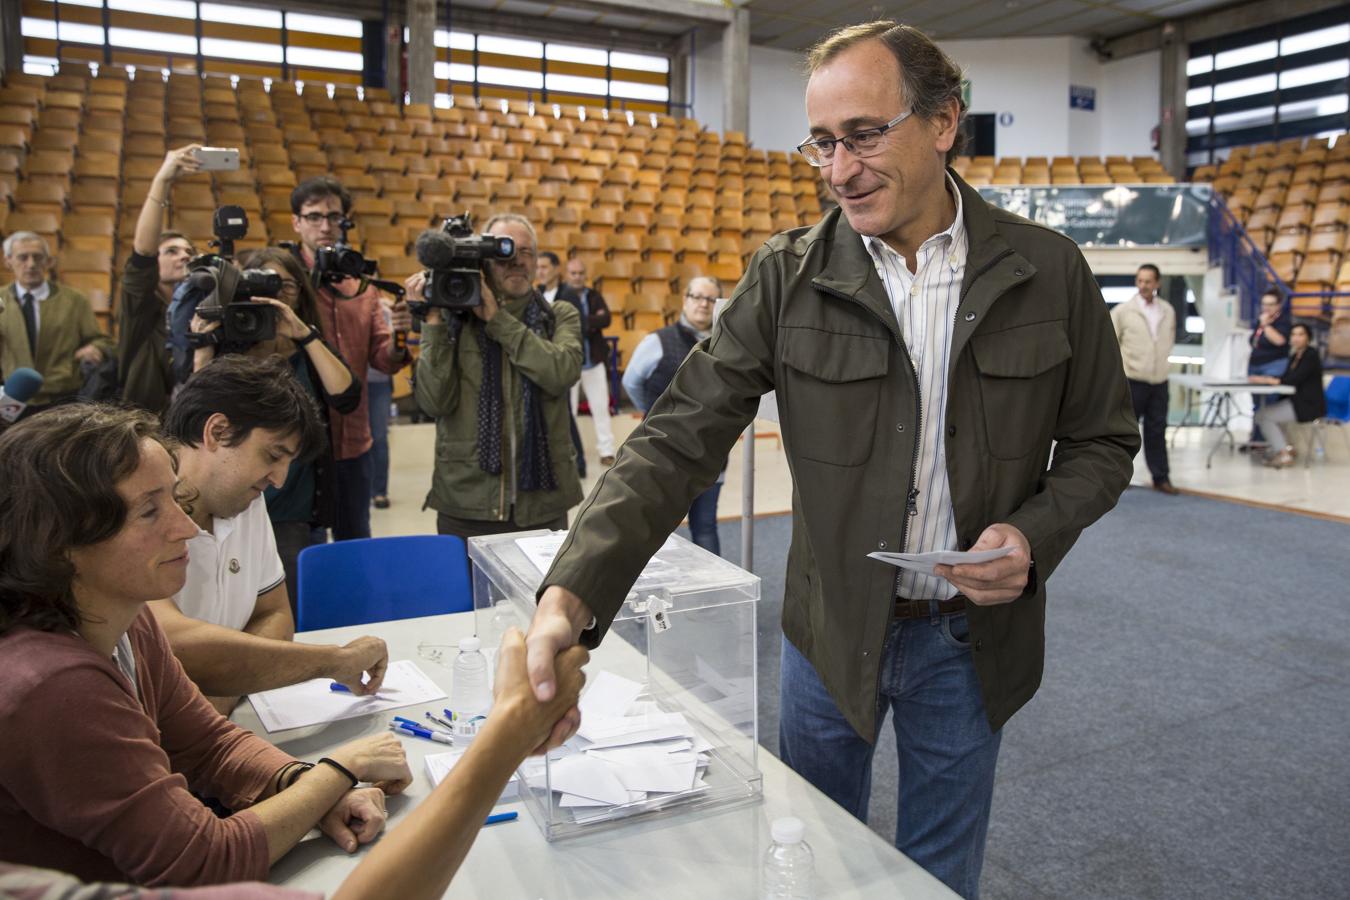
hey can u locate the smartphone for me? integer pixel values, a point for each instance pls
(218, 159)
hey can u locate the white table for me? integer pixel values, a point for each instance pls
(1220, 408)
(696, 855)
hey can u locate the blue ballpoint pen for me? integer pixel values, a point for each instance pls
(419, 731)
(339, 688)
(501, 817)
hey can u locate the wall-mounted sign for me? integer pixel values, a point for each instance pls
(1005, 119)
(1082, 97)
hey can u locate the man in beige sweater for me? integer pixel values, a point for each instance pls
(1146, 326)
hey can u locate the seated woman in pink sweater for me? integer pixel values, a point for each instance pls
(106, 741)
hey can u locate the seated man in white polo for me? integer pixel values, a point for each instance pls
(239, 422)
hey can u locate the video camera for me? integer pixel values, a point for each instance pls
(454, 257)
(227, 291)
(341, 260)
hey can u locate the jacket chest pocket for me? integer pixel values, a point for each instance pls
(1022, 374)
(830, 393)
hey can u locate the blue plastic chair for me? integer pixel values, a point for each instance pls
(1338, 417)
(381, 579)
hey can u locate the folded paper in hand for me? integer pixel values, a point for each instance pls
(924, 562)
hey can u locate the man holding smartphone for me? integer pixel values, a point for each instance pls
(353, 322)
(158, 262)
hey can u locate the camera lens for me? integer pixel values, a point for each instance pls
(506, 247)
(245, 323)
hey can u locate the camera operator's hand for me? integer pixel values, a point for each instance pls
(288, 323)
(198, 325)
(182, 161)
(415, 286)
(489, 307)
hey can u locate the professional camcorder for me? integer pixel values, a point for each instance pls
(454, 257)
(341, 261)
(227, 291)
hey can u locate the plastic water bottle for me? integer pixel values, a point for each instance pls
(469, 692)
(789, 864)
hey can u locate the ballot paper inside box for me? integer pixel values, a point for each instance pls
(669, 722)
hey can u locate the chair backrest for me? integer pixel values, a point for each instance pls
(1338, 398)
(381, 579)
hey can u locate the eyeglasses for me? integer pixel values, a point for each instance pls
(290, 287)
(334, 219)
(699, 298)
(866, 142)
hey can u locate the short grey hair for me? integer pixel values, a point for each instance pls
(514, 218)
(20, 236)
(716, 283)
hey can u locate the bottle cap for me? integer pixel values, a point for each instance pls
(469, 644)
(788, 830)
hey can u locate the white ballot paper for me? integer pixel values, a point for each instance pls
(626, 750)
(313, 702)
(439, 766)
(924, 562)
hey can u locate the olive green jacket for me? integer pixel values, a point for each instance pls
(66, 324)
(1034, 364)
(447, 386)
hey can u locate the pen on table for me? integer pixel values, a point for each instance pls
(339, 688)
(501, 817)
(419, 731)
(413, 723)
(441, 722)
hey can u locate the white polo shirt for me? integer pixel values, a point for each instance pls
(230, 567)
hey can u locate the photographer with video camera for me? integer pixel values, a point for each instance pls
(352, 319)
(496, 368)
(307, 498)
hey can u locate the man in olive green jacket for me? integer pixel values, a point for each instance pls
(65, 333)
(914, 276)
(504, 456)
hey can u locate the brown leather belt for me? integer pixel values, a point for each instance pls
(922, 609)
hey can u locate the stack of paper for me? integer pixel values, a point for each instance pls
(313, 702)
(440, 764)
(626, 751)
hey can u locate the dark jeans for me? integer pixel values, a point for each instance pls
(292, 537)
(467, 528)
(352, 513)
(703, 520)
(381, 395)
(944, 747)
(1150, 404)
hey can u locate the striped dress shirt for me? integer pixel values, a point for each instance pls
(925, 306)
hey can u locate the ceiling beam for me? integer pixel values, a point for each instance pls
(1203, 26)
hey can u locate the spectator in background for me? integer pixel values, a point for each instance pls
(595, 318)
(239, 424)
(352, 319)
(157, 264)
(1146, 327)
(654, 362)
(1270, 351)
(496, 381)
(46, 326)
(548, 274)
(1304, 375)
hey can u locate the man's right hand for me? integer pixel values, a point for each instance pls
(353, 661)
(182, 161)
(557, 624)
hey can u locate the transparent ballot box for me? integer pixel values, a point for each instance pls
(669, 714)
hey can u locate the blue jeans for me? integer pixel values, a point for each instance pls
(1274, 368)
(946, 750)
(703, 520)
(381, 395)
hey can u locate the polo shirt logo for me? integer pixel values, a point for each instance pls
(234, 567)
